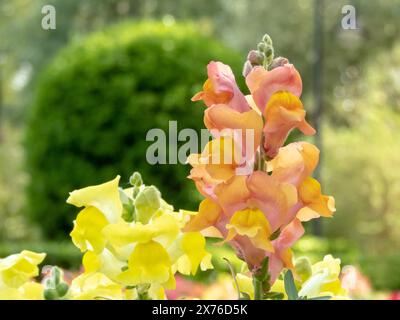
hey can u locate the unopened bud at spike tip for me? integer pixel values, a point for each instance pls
(267, 39)
(255, 57)
(247, 67)
(136, 179)
(278, 62)
(262, 47)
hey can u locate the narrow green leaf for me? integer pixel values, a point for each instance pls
(290, 286)
(244, 296)
(321, 298)
(274, 295)
(234, 278)
(263, 274)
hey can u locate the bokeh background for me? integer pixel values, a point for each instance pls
(76, 103)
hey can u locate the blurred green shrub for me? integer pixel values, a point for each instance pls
(316, 248)
(382, 270)
(95, 103)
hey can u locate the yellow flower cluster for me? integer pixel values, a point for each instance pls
(132, 242)
(16, 273)
(312, 281)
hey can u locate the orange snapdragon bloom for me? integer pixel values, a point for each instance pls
(284, 112)
(294, 164)
(221, 88)
(275, 93)
(216, 164)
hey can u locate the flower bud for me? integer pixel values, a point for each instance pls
(303, 268)
(267, 39)
(262, 47)
(247, 67)
(256, 58)
(278, 62)
(129, 211)
(136, 179)
(62, 289)
(50, 294)
(147, 202)
(56, 275)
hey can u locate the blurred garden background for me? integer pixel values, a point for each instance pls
(76, 104)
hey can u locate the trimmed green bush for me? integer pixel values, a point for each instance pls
(95, 103)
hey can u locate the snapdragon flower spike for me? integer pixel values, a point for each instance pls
(258, 211)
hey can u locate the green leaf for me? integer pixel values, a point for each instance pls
(274, 295)
(275, 235)
(234, 278)
(290, 286)
(244, 296)
(321, 298)
(263, 274)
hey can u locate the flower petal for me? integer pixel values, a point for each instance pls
(209, 213)
(148, 263)
(104, 197)
(252, 224)
(221, 87)
(284, 112)
(221, 117)
(272, 197)
(294, 162)
(315, 203)
(263, 83)
(87, 231)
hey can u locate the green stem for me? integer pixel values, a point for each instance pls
(233, 276)
(258, 288)
(260, 163)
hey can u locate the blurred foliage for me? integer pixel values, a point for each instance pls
(316, 248)
(95, 104)
(362, 160)
(12, 224)
(382, 270)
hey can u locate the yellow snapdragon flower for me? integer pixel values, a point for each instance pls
(16, 272)
(19, 268)
(90, 286)
(28, 291)
(318, 280)
(102, 206)
(324, 280)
